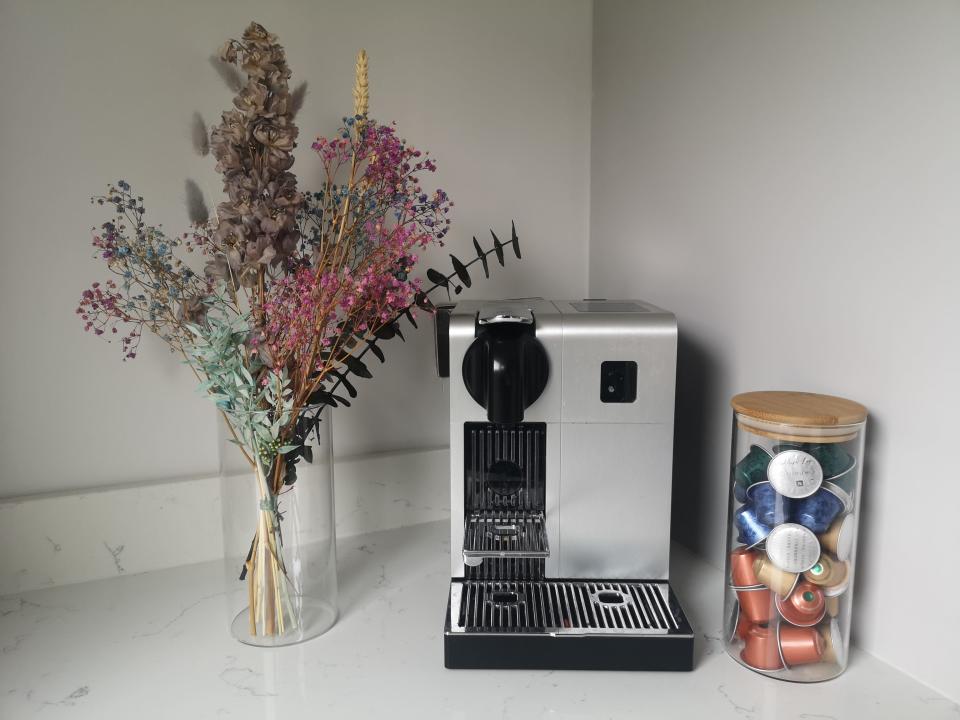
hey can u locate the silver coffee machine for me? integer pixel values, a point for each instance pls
(561, 448)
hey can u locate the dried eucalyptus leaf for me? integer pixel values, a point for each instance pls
(482, 257)
(461, 270)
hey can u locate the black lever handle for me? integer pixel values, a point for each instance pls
(441, 336)
(505, 370)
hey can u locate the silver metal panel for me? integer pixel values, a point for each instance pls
(614, 501)
(457, 513)
(552, 502)
(648, 338)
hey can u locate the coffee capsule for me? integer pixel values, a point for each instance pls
(833, 605)
(738, 625)
(847, 480)
(794, 473)
(733, 619)
(751, 530)
(841, 494)
(804, 607)
(770, 507)
(799, 645)
(817, 511)
(827, 572)
(836, 590)
(838, 538)
(833, 645)
(761, 650)
(741, 568)
(792, 547)
(752, 469)
(833, 459)
(780, 581)
(756, 604)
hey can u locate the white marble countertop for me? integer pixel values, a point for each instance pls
(156, 646)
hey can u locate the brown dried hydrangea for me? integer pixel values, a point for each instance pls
(256, 227)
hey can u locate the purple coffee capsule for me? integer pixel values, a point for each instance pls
(751, 530)
(770, 507)
(817, 511)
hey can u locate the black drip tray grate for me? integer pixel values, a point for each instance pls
(495, 534)
(561, 607)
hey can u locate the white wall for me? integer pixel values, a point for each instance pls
(784, 176)
(95, 91)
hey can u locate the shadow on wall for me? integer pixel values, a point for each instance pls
(697, 374)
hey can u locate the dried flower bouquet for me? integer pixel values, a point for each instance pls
(296, 288)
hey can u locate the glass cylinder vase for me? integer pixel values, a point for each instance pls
(279, 539)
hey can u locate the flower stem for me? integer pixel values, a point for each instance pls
(270, 603)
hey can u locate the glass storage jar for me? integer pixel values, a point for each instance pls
(791, 534)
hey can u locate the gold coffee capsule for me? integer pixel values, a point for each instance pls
(833, 649)
(780, 581)
(827, 572)
(833, 605)
(838, 538)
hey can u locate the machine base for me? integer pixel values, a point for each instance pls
(577, 649)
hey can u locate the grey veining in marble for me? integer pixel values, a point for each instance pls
(156, 645)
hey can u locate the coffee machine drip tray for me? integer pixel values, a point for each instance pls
(504, 534)
(566, 625)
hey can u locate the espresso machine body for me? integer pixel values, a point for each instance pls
(561, 437)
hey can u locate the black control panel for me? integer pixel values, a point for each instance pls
(618, 381)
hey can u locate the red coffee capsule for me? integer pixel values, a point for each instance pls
(738, 625)
(799, 645)
(741, 567)
(762, 649)
(741, 625)
(805, 606)
(756, 604)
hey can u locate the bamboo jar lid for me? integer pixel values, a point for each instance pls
(799, 416)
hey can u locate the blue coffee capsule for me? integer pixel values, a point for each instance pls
(841, 493)
(751, 530)
(817, 511)
(749, 471)
(769, 507)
